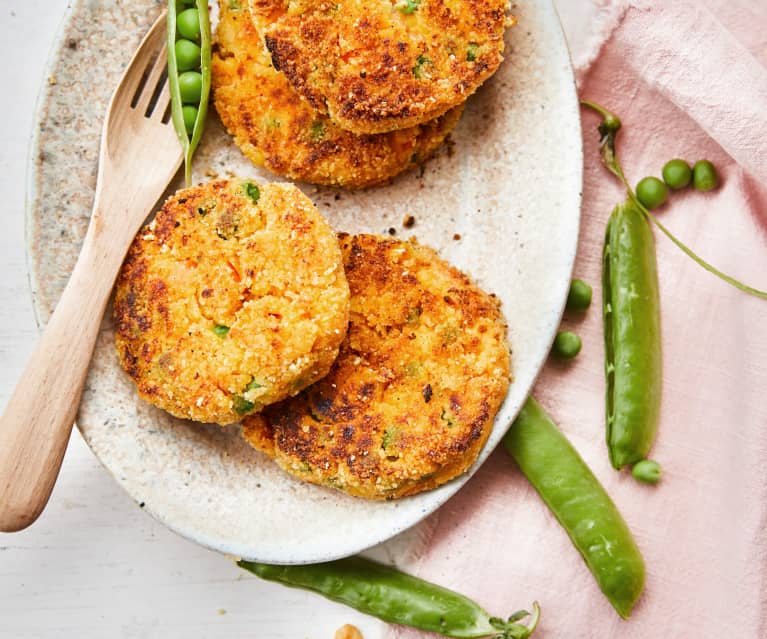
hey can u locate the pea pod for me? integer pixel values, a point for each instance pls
(189, 94)
(631, 310)
(580, 504)
(395, 597)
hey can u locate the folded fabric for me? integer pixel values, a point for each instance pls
(688, 80)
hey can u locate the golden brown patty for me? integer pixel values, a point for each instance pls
(275, 128)
(379, 65)
(234, 297)
(411, 399)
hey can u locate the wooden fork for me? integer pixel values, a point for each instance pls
(139, 156)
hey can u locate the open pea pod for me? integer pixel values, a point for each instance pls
(631, 309)
(189, 139)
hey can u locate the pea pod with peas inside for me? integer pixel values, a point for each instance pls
(393, 596)
(580, 504)
(189, 51)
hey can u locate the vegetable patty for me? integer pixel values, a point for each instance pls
(233, 298)
(277, 129)
(411, 399)
(379, 65)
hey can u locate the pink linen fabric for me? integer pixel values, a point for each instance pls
(688, 79)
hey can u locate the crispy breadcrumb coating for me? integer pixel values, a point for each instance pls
(412, 397)
(275, 128)
(233, 298)
(378, 65)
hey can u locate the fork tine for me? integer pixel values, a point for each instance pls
(162, 103)
(154, 84)
(146, 52)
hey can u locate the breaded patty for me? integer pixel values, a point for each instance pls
(411, 399)
(275, 128)
(233, 298)
(379, 65)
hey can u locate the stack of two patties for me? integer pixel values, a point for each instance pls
(362, 363)
(350, 93)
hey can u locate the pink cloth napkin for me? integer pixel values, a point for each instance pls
(688, 79)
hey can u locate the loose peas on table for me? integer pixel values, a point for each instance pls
(647, 471)
(189, 50)
(704, 176)
(579, 296)
(651, 192)
(677, 174)
(567, 345)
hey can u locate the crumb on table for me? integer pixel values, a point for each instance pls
(348, 632)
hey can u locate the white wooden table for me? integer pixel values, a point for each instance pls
(94, 565)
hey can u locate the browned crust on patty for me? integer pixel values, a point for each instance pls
(372, 67)
(411, 399)
(234, 297)
(276, 128)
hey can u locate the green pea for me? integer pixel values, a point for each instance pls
(190, 117)
(704, 177)
(241, 405)
(252, 191)
(219, 329)
(579, 297)
(253, 385)
(647, 471)
(188, 55)
(408, 6)
(651, 192)
(420, 70)
(190, 86)
(188, 24)
(567, 345)
(677, 174)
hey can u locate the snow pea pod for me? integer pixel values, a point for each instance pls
(580, 503)
(189, 74)
(395, 597)
(631, 309)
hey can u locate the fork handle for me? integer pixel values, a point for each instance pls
(37, 422)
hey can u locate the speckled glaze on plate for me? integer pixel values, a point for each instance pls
(501, 201)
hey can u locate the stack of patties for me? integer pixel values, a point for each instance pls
(350, 93)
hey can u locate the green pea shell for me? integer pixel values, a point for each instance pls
(390, 595)
(631, 308)
(580, 504)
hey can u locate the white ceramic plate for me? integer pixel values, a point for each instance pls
(509, 187)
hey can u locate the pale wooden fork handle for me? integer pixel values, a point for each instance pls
(36, 424)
